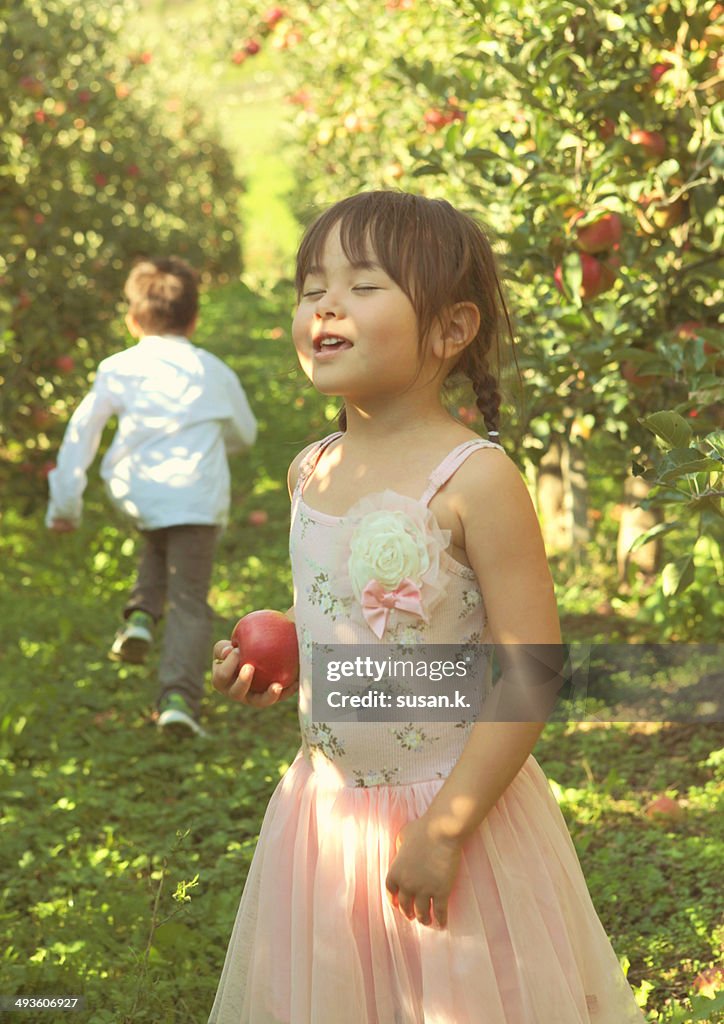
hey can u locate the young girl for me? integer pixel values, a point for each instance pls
(410, 873)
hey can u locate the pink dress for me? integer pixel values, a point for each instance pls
(316, 940)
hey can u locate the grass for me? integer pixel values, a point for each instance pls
(124, 854)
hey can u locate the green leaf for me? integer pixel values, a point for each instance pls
(507, 138)
(704, 1008)
(670, 427)
(480, 157)
(655, 531)
(677, 576)
(715, 440)
(573, 277)
(682, 461)
(419, 172)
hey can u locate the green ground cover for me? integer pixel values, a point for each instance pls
(124, 853)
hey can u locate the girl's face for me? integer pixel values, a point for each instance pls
(355, 330)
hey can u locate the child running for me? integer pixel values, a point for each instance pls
(180, 412)
(411, 873)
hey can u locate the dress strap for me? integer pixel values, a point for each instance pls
(310, 460)
(452, 461)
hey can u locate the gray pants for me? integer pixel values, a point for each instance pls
(174, 574)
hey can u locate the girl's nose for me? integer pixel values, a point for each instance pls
(328, 307)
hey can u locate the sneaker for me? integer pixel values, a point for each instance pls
(133, 641)
(176, 716)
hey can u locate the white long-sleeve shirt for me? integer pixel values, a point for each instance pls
(180, 410)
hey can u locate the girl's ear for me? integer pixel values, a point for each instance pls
(461, 324)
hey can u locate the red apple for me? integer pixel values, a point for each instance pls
(435, 119)
(628, 372)
(268, 640)
(591, 283)
(601, 234)
(659, 70)
(64, 363)
(273, 15)
(609, 271)
(665, 809)
(597, 275)
(238, 57)
(258, 517)
(652, 142)
(303, 98)
(252, 47)
(606, 128)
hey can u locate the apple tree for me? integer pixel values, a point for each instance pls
(585, 137)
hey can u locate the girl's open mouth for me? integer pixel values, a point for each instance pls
(326, 345)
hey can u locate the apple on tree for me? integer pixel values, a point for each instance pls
(600, 234)
(653, 143)
(65, 364)
(267, 639)
(597, 275)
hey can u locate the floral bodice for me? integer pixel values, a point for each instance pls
(381, 573)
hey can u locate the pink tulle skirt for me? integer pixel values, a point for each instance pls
(316, 940)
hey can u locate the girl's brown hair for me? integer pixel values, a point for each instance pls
(438, 256)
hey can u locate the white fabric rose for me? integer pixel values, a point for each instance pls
(387, 547)
(389, 561)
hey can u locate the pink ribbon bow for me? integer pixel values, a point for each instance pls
(378, 602)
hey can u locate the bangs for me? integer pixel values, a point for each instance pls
(374, 227)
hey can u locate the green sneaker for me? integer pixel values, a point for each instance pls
(177, 717)
(133, 641)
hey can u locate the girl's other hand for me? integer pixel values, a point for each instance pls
(234, 680)
(422, 874)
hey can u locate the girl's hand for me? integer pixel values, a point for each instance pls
(225, 679)
(422, 873)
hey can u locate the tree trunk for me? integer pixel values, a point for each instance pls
(553, 507)
(578, 487)
(634, 522)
